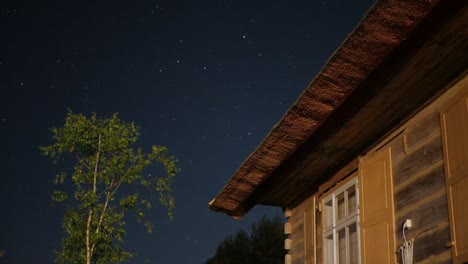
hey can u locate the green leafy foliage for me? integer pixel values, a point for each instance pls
(106, 164)
(263, 246)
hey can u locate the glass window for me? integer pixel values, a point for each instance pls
(341, 225)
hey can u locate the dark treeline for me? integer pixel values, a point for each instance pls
(265, 245)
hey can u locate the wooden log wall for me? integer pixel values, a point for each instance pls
(419, 184)
(301, 233)
(419, 190)
(296, 236)
(419, 195)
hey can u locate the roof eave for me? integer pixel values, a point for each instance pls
(384, 27)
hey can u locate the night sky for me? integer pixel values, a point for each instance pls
(208, 79)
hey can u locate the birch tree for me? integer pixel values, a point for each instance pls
(109, 177)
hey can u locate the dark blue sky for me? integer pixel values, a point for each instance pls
(208, 79)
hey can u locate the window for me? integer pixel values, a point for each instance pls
(341, 225)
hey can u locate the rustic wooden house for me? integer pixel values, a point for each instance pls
(379, 136)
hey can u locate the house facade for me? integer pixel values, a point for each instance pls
(374, 153)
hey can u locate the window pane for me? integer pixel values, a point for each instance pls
(353, 244)
(340, 209)
(352, 199)
(342, 246)
(329, 249)
(328, 214)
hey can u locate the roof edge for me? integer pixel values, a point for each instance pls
(385, 26)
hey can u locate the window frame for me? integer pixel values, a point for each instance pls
(337, 225)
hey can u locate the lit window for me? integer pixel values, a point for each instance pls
(341, 225)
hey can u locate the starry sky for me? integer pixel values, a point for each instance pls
(208, 79)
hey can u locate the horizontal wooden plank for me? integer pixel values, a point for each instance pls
(398, 147)
(297, 243)
(418, 160)
(409, 211)
(298, 260)
(297, 214)
(423, 217)
(297, 250)
(421, 130)
(415, 147)
(442, 258)
(295, 218)
(420, 174)
(426, 247)
(425, 184)
(298, 227)
(297, 233)
(340, 175)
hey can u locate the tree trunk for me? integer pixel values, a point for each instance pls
(89, 248)
(88, 244)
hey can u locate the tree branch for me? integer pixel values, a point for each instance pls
(103, 212)
(83, 162)
(117, 187)
(96, 165)
(101, 219)
(106, 204)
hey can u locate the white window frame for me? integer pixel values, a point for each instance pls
(336, 226)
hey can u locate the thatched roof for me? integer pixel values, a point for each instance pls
(362, 62)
